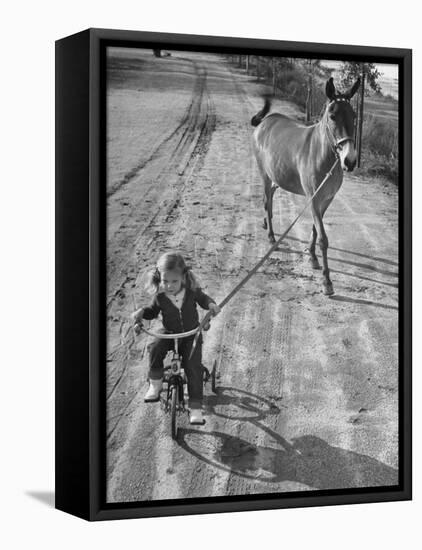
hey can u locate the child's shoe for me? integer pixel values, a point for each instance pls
(153, 393)
(196, 416)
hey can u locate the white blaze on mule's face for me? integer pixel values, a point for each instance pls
(347, 154)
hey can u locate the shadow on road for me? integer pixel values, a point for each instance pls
(362, 278)
(343, 261)
(236, 404)
(307, 459)
(374, 258)
(339, 298)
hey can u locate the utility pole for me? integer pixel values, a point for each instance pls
(356, 122)
(309, 95)
(362, 95)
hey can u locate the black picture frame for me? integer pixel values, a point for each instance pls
(80, 274)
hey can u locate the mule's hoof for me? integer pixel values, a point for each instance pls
(271, 238)
(328, 289)
(314, 263)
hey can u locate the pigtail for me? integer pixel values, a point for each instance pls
(191, 281)
(153, 280)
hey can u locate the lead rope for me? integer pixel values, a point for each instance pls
(262, 260)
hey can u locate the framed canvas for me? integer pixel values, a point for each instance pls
(233, 280)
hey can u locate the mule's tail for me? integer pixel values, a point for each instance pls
(258, 118)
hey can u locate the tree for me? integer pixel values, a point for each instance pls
(350, 71)
(315, 72)
(367, 72)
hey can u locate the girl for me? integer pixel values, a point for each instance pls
(176, 295)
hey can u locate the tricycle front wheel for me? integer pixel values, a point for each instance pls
(173, 408)
(213, 377)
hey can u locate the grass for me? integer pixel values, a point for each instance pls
(380, 148)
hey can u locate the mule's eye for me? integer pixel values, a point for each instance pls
(333, 117)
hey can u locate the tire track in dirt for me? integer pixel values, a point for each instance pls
(162, 176)
(187, 159)
(178, 139)
(231, 260)
(358, 391)
(176, 239)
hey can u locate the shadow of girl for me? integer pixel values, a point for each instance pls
(309, 460)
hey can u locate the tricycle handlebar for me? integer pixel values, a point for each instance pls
(171, 336)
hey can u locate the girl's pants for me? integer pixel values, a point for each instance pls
(193, 366)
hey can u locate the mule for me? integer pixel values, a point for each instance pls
(296, 158)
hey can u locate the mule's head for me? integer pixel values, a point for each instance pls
(340, 123)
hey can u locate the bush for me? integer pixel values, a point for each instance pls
(292, 83)
(380, 148)
(380, 136)
(375, 165)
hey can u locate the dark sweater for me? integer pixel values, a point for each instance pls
(175, 320)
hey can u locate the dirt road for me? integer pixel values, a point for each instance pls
(308, 388)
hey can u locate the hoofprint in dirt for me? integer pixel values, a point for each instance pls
(307, 397)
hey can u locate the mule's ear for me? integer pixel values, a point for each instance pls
(330, 89)
(350, 93)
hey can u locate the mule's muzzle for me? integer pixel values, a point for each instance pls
(347, 154)
(349, 165)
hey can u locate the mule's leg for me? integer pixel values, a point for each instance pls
(270, 214)
(313, 260)
(323, 244)
(269, 191)
(264, 223)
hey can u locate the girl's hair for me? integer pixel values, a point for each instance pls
(170, 261)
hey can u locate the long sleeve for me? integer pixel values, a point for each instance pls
(152, 311)
(203, 299)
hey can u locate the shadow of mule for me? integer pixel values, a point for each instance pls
(338, 298)
(308, 460)
(374, 258)
(343, 261)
